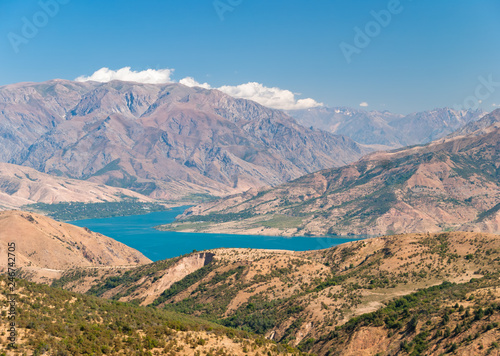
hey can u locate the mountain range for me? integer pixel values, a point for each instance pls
(166, 141)
(171, 141)
(449, 184)
(385, 129)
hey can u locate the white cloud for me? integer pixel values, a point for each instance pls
(190, 82)
(149, 76)
(363, 104)
(275, 98)
(495, 105)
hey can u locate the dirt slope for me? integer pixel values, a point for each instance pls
(45, 247)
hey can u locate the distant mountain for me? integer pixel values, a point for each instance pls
(478, 127)
(384, 128)
(366, 127)
(45, 248)
(165, 141)
(23, 185)
(449, 184)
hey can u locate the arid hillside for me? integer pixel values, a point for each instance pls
(450, 184)
(23, 185)
(45, 248)
(449, 319)
(298, 298)
(54, 322)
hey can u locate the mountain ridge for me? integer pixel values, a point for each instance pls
(21, 185)
(451, 183)
(385, 129)
(165, 141)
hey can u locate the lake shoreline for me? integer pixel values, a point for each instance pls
(261, 233)
(255, 226)
(137, 231)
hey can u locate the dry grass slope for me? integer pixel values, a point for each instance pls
(55, 322)
(45, 248)
(301, 297)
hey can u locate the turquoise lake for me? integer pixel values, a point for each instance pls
(137, 231)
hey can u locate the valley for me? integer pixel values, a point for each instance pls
(210, 285)
(250, 178)
(323, 301)
(139, 232)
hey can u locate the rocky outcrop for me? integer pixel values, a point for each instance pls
(147, 291)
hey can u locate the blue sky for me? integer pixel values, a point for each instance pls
(429, 54)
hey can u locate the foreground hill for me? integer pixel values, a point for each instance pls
(449, 184)
(385, 128)
(451, 319)
(299, 297)
(23, 185)
(53, 322)
(45, 248)
(166, 141)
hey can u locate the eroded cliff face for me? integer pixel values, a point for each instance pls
(165, 141)
(148, 290)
